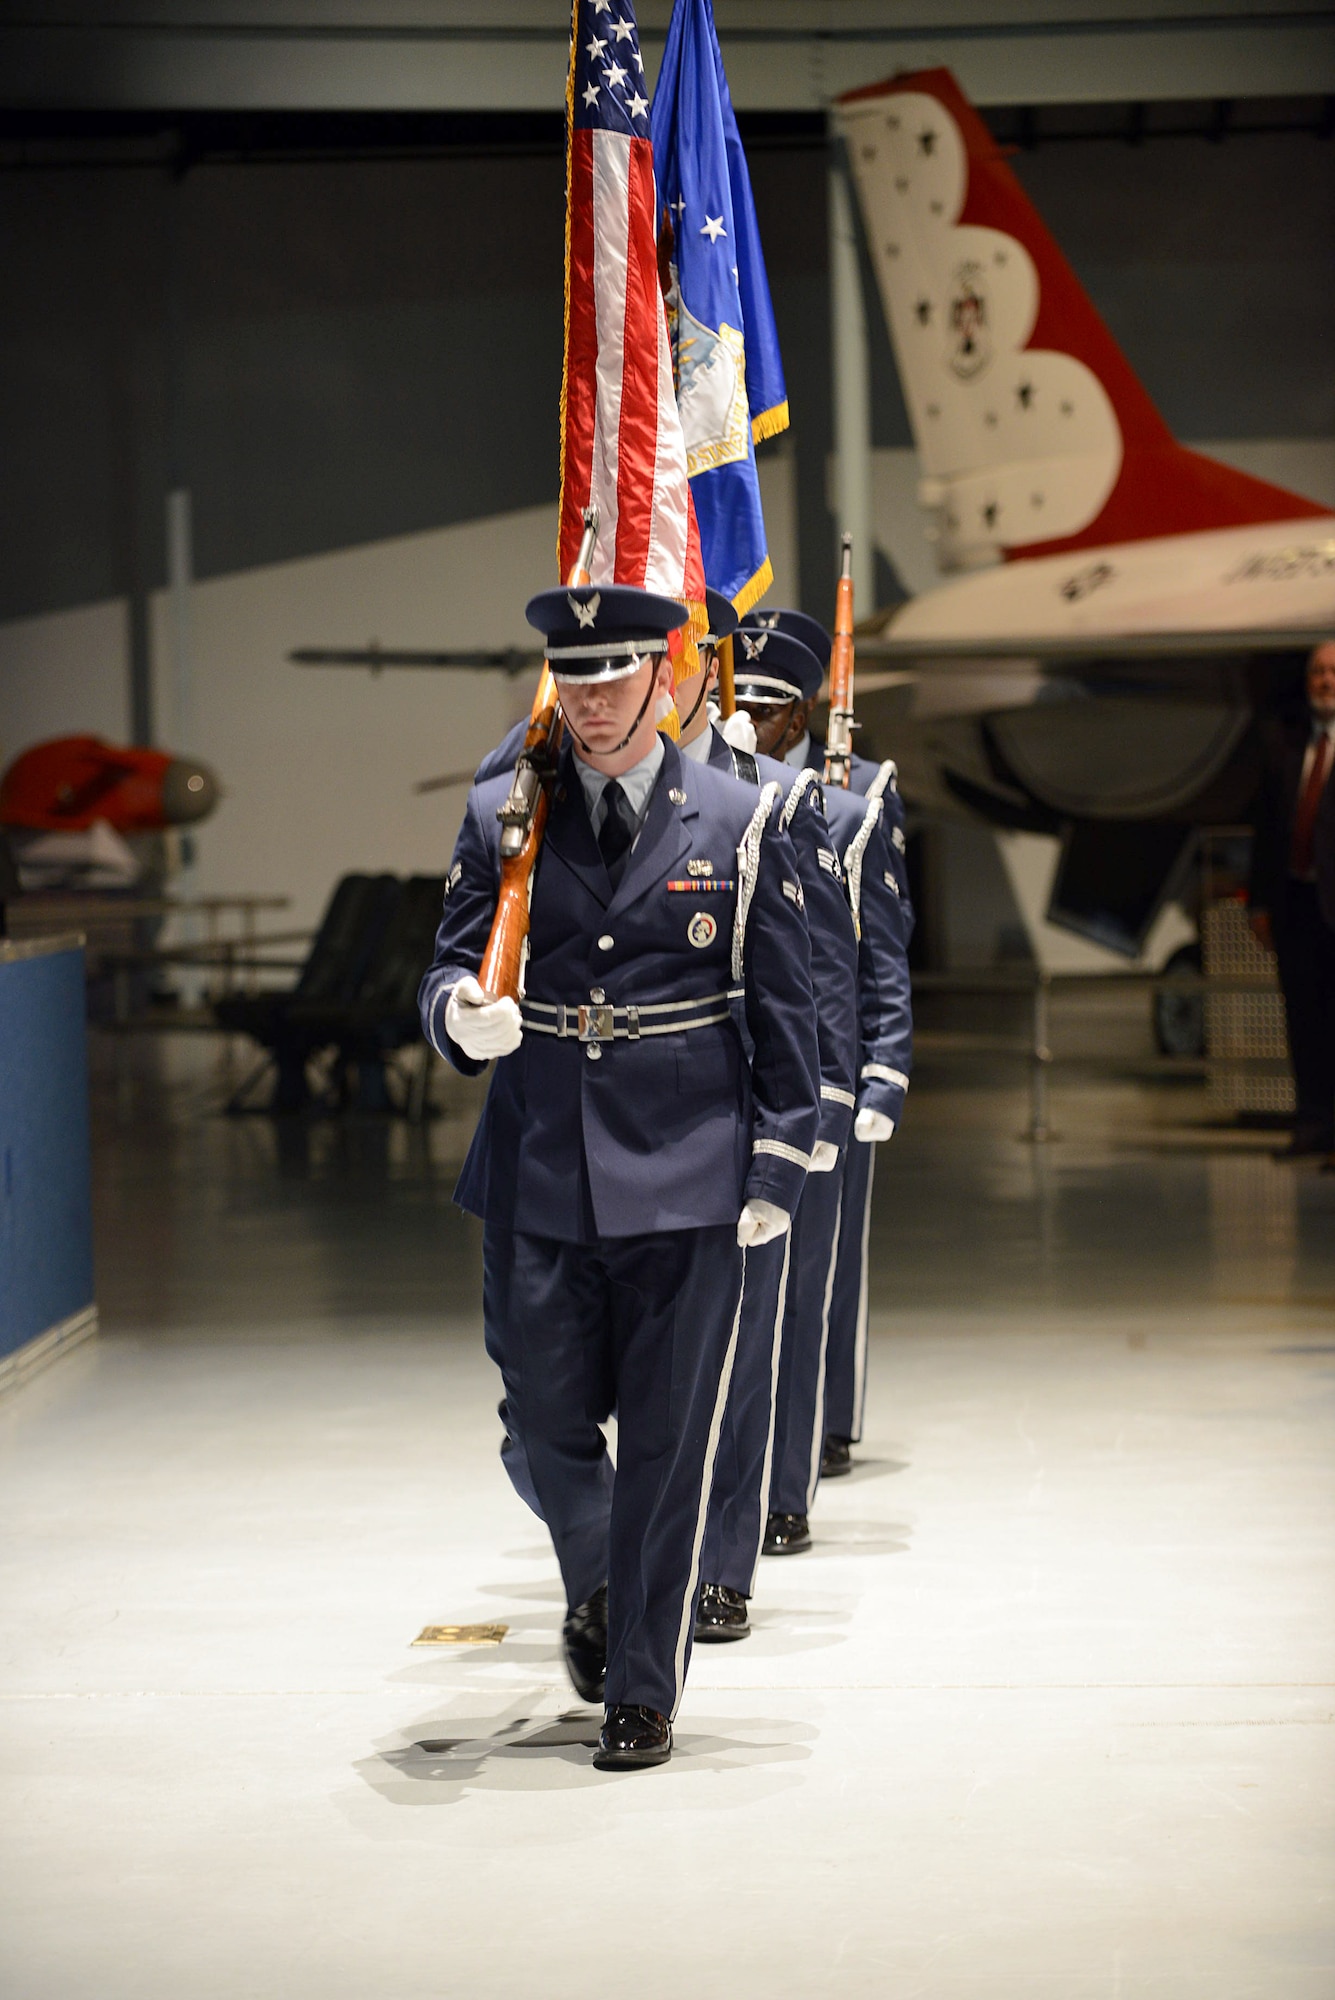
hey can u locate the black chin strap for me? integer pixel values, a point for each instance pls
(649, 695)
(704, 690)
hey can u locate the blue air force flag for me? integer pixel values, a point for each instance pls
(725, 348)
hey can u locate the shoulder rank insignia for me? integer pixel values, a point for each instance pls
(454, 877)
(793, 891)
(890, 882)
(829, 861)
(897, 836)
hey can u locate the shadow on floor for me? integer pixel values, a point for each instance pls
(439, 1762)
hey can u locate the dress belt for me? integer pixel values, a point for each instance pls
(596, 1021)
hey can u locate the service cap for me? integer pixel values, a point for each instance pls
(771, 666)
(602, 632)
(723, 619)
(798, 626)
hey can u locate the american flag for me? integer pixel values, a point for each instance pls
(622, 448)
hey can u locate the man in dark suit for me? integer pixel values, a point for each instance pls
(1293, 893)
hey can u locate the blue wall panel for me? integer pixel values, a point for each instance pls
(46, 1240)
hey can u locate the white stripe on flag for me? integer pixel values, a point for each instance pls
(666, 569)
(611, 235)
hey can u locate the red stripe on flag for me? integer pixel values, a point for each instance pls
(581, 359)
(638, 436)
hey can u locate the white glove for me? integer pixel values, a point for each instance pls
(760, 1222)
(739, 732)
(824, 1157)
(483, 1028)
(872, 1125)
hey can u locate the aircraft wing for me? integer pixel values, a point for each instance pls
(1095, 649)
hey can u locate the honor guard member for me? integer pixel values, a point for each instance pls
(738, 1505)
(630, 1152)
(823, 1376)
(795, 743)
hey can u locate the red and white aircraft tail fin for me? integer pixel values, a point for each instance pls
(1034, 434)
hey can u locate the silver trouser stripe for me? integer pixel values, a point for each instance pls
(818, 1426)
(860, 1336)
(775, 1355)
(783, 1152)
(706, 1485)
(881, 1073)
(834, 1095)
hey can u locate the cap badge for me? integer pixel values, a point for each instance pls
(701, 930)
(768, 619)
(753, 647)
(586, 613)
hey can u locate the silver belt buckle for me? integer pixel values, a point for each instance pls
(597, 1024)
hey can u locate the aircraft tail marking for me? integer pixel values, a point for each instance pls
(1034, 432)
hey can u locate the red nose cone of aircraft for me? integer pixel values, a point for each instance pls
(68, 783)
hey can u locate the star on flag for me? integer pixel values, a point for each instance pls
(712, 227)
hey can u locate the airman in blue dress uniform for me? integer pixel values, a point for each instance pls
(823, 1380)
(738, 1505)
(649, 1124)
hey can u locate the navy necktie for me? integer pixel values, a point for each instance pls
(617, 830)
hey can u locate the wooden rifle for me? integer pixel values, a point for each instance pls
(523, 817)
(839, 732)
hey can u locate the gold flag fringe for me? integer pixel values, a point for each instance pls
(769, 423)
(751, 593)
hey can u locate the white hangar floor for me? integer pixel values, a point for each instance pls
(1049, 1709)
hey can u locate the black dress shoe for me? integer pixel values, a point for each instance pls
(835, 1457)
(720, 1614)
(584, 1643)
(786, 1535)
(632, 1737)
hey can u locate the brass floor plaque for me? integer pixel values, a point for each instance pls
(461, 1635)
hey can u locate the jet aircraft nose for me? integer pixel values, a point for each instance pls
(189, 791)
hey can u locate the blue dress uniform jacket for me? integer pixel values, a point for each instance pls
(823, 1373)
(738, 1503)
(885, 1061)
(834, 942)
(871, 849)
(667, 1129)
